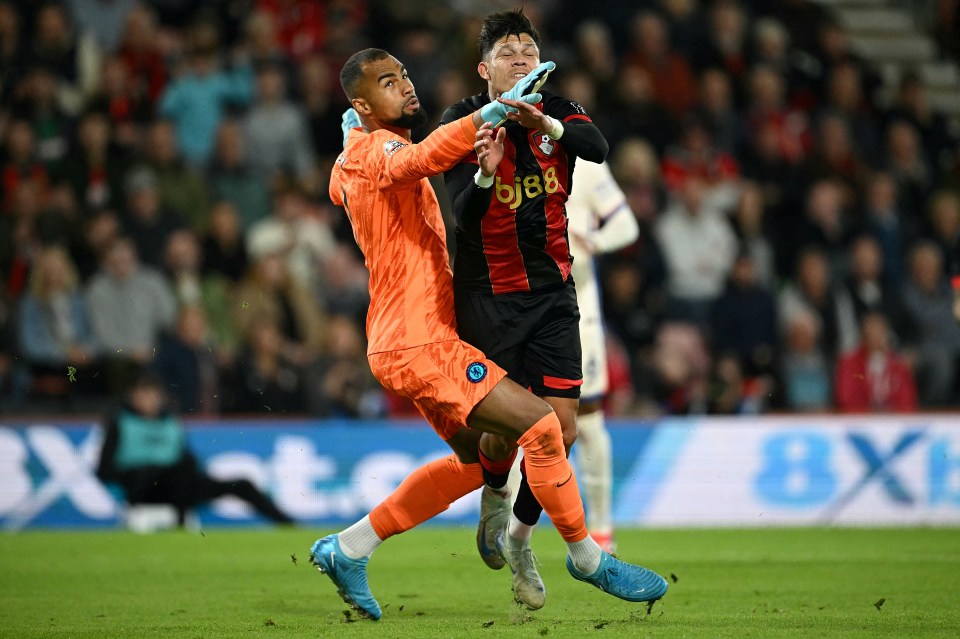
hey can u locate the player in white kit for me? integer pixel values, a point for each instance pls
(600, 221)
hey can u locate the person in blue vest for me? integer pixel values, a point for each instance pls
(145, 453)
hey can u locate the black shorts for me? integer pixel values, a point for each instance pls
(533, 335)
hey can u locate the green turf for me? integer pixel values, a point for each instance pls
(729, 583)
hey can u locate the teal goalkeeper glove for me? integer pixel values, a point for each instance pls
(350, 121)
(525, 90)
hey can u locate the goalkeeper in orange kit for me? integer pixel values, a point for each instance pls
(380, 179)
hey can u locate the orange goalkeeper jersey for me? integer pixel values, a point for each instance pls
(381, 181)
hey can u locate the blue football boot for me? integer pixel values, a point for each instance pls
(348, 575)
(623, 580)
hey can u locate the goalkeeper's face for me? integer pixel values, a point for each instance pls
(511, 58)
(388, 95)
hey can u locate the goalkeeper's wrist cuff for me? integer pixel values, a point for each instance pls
(556, 128)
(481, 180)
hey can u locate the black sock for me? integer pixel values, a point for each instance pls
(527, 509)
(496, 473)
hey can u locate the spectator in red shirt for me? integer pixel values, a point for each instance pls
(673, 82)
(874, 377)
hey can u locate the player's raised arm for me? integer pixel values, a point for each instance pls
(383, 97)
(443, 148)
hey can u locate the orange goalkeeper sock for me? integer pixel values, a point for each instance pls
(551, 477)
(425, 493)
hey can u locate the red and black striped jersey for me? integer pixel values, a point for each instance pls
(513, 236)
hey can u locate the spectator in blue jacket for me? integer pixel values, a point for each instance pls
(53, 325)
(196, 101)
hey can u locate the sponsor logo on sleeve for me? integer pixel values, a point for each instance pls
(393, 146)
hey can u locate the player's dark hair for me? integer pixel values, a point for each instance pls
(501, 24)
(351, 72)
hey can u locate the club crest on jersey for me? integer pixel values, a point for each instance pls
(392, 147)
(476, 372)
(543, 142)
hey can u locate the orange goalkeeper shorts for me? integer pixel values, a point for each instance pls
(445, 380)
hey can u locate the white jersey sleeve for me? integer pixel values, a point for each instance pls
(599, 221)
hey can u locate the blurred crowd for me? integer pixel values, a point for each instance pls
(163, 178)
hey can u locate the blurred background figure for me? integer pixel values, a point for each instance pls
(146, 454)
(929, 303)
(874, 377)
(129, 305)
(55, 333)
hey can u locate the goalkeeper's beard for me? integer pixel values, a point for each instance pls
(411, 120)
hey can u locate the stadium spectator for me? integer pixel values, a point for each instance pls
(874, 377)
(20, 164)
(834, 49)
(188, 365)
(302, 24)
(145, 221)
(340, 383)
(812, 291)
(907, 165)
(74, 57)
(912, 105)
(271, 293)
(180, 188)
(944, 217)
(295, 228)
(224, 246)
(209, 292)
(19, 239)
(827, 224)
(95, 172)
(681, 369)
(834, 157)
(53, 326)
(699, 248)
(128, 108)
(232, 179)
(771, 49)
(323, 108)
(673, 82)
(595, 51)
(146, 453)
(344, 289)
(637, 170)
(865, 291)
(12, 47)
(805, 372)
(717, 111)
(744, 322)
(196, 100)
(769, 114)
(845, 99)
(263, 44)
(103, 19)
(696, 156)
(640, 116)
(129, 305)
(37, 102)
(277, 137)
(929, 302)
(749, 223)
(731, 392)
(893, 229)
(725, 45)
(264, 379)
(99, 230)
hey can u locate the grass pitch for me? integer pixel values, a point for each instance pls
(258, 583)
